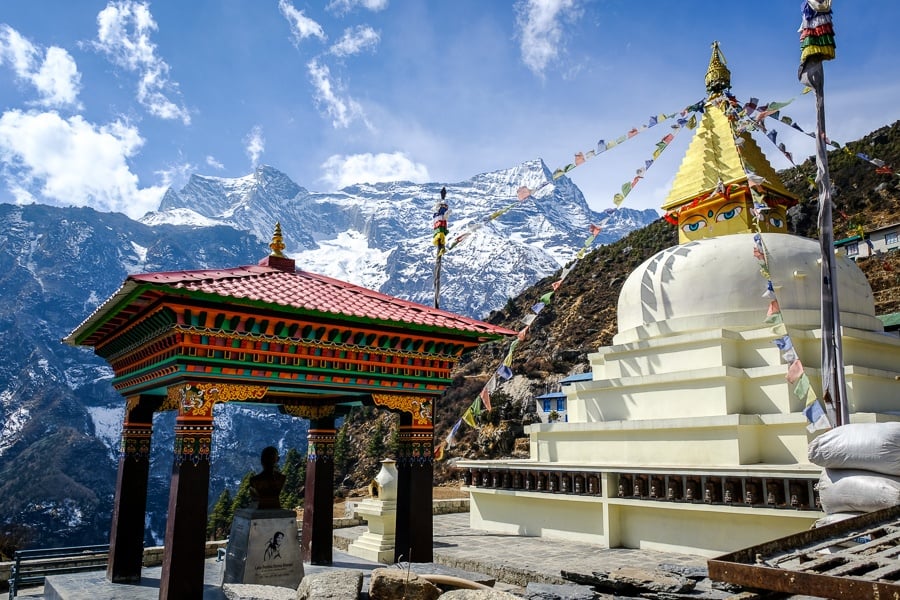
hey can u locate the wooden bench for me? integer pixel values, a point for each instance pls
(31, 567)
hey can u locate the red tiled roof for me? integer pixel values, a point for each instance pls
(313, 292)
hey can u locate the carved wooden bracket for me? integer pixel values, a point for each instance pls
(309, 412)
(197, 399)
(419, 407)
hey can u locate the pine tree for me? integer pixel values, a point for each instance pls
(219, 524)
(394, 443)
(376, 448)
(342, 451)
(242, 496)
(294, 477)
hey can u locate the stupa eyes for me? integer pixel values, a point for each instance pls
(728, 213)
(694, 226)
(776, 222)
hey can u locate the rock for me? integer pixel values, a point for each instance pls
(436, 569)
(478, 595)
(553, 591)
(688, 571)
(247, 591)
(336, 584)
(633, 581)
(393, 584)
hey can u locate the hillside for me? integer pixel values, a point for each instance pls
(582, 315)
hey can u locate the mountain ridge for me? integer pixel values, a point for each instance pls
(59, 264)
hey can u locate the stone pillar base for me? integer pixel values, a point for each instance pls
(264, 549)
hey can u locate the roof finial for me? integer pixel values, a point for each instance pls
(277, 244)
(718, 77)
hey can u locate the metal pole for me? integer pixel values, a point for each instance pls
(834, 389)
(441, 212)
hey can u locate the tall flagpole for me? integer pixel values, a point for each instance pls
(441, 212)
(817, 44)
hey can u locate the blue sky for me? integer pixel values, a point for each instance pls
(106, 104)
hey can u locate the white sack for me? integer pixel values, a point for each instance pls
(868, 446)
(835, 518)
(849, 490)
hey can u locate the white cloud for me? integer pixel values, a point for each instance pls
(123, 35)
(343, 110)
(176, 174)
(342, 6)
(56, 77)
(355, 40)
(70, 162)
(255, 145)
(540, 30)
(341, 171)
(301, 26)
(212, 162)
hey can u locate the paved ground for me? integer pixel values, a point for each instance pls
(517, 560)
(513, 561)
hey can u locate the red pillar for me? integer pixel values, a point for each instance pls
(318, 498)
(185, 553)
(126, 534)
(415, 470)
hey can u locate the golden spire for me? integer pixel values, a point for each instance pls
(277, 244)
(718, 77)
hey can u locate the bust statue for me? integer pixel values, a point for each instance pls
(266, 485)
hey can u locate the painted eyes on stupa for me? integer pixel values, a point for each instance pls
(694, 226)
(776, 222)
(728, 212)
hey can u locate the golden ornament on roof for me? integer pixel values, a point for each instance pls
(718, 77)
(277, 244)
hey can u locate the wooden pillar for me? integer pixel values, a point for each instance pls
(185, 551)
(415, 469)
(318, 498)
(126, 533)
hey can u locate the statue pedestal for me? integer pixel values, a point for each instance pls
(377, 543)
(264, 548)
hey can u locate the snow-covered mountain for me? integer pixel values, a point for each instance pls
(60, 419)
(379, 235)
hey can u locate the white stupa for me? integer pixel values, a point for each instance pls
(686, 435)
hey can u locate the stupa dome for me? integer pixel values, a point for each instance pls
(716, 282)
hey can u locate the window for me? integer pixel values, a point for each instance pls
(546, 405)
(560, 404)
(853, 249)
(891, 238)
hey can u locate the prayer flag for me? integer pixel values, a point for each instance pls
(524, 332)
(523, 192)
(486, 398)
(579, 158)
(505, 372)
(816, 416)
(439, 451)
(601, 146)
(529, 319)
(537, 308)
(546, 298)
(555, 285)
(795, 370)
(801, 389)
(469, 418)
(595, 229)
(452, 435)
(783, 343)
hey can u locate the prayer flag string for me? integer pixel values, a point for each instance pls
(796, 376)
